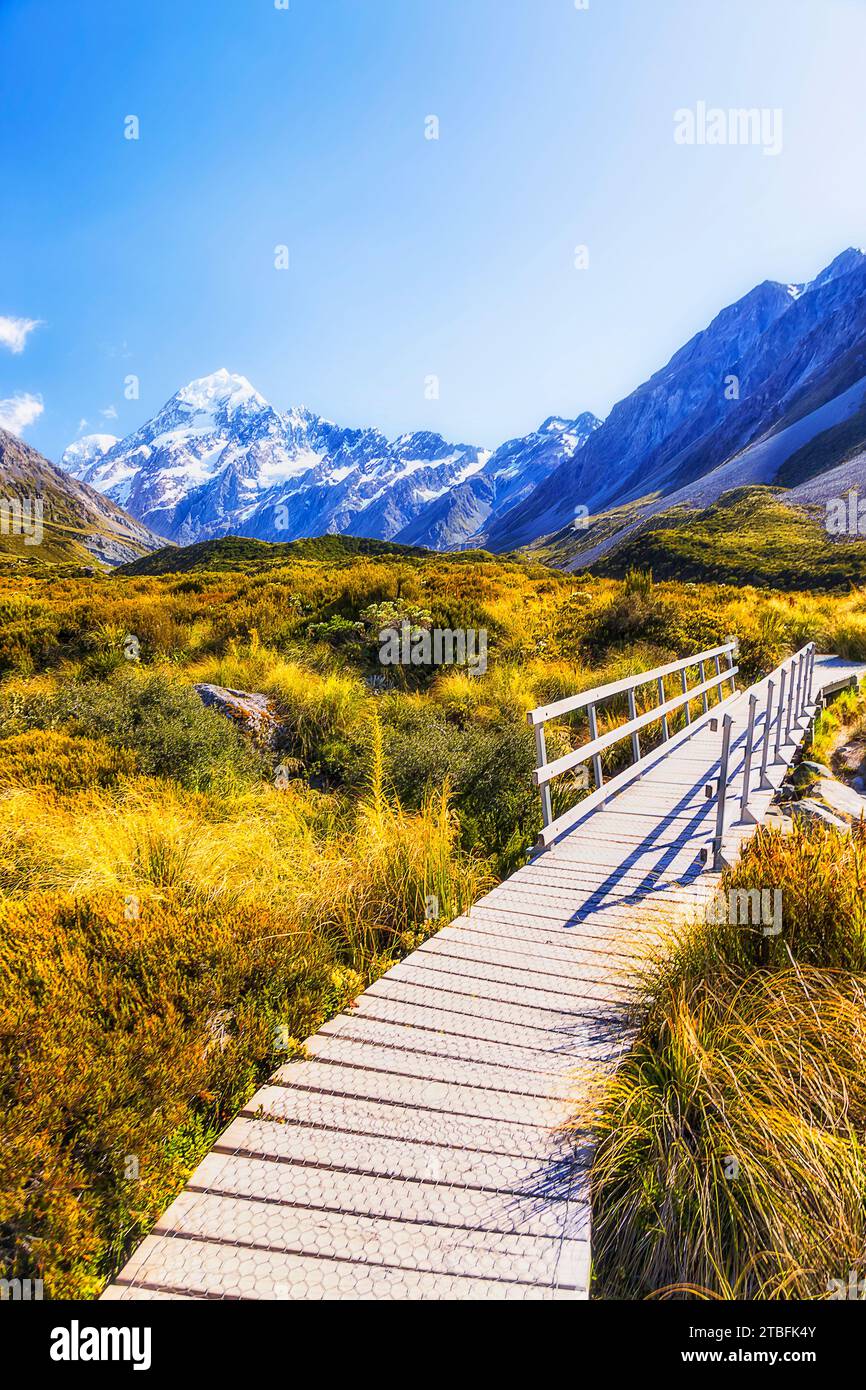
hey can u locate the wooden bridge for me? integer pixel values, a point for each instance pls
(417, 1154)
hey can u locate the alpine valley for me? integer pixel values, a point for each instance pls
(772, 393)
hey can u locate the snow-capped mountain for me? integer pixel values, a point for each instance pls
(463, 514)
(218, 458)
(84, 452)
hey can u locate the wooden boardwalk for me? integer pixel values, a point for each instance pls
(416, 1154)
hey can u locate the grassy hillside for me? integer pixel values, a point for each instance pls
(242, 553)
(747, 537)
(78, 526)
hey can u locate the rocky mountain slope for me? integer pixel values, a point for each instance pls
(47, 516)
(777, 356)
(773, 390)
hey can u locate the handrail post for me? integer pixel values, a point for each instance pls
(718, 687)
(781, 714)
(812, 672)
(731, 668)
(718, 859)
(541, 754)
(790, 710)
(765, 784)
(685, 692)
(706, 696)
(798, 702)
(747, 764)
(661, 689)
(632, 714)
(593, 733)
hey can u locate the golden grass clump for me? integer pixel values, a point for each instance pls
(45, 757)
(732, 1153)
(157, 947)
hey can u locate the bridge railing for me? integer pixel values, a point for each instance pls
(794, 680)
(591, 752)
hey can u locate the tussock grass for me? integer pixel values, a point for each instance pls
(157, 947)
(732, 1154)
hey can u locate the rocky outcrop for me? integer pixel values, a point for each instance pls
(253, 713)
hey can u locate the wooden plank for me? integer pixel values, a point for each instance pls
(215, 1270)
(427, 1248)
(363, 1194)
(357, 1114)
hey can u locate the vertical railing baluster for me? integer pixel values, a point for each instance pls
(665, 730)
(705, 697)
(765, 784)
(596, 761)
(719, 695)
(781, 715)
(541, 755)
(731, 669)
(790, 710)
(632, 714)
(718, 860)
(747, 763)
(798, 698)
(685, 692)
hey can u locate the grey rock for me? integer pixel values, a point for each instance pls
(813, 811)
(252, 712)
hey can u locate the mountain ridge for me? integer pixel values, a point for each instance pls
(76, 523)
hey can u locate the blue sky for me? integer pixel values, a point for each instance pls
(409, 257)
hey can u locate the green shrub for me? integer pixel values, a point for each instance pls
(487, 766)
(157, 717)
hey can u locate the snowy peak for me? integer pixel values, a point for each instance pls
(222, 391)
(847, 261)
(84, 452)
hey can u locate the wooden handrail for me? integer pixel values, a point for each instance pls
(604, 692)
(546, 772)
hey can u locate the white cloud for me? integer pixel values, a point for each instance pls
(17, 412)
(82, 425)
(110, 413)
(13, 332)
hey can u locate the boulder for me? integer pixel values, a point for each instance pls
(817, 768)
(253, 713)
(809, 810)
(842, 799)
